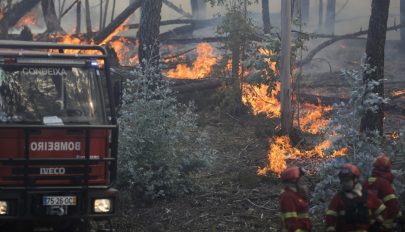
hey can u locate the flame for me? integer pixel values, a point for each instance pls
(259, 100)
(29, 19)
(313, 118)
(398, 93)
(280, 149)
(201, 67)
(121, 27)
(122, 47)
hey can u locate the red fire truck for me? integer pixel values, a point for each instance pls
(58, 137)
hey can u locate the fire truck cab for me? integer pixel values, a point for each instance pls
(58, 137)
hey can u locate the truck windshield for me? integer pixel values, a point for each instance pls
(50, 95)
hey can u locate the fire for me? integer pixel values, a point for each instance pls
(123, 47)
(201, 67)
(313, 119)
(29, 19)
(398, 93)
(122, 27)
(280, 149)
(259, 100)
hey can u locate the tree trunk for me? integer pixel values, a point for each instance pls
(49, 12)
(266, 16)
(330, 17)
(320, 14)
(198, 9)
(13, 15)
(305, 10)
(78, 17)
(88, 21)
(149, 33)
(286, 114)
(373, 121)
(402, 18)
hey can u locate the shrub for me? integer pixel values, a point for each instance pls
(160, 143)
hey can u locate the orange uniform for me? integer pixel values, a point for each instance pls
(294, 212)
(354, 215)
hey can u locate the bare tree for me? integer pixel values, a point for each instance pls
(402, 16)
(149, 32)
(198, 9)
(373, 120)
(266, 16)
(305, 10)
(286, 110)
(320, 14)
(51, 19)
(330, 17)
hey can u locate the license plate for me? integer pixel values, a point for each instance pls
(59, 200)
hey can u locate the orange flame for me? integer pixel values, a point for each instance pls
(122, 47)
(280, 148)
(398, 93)
(259, 100)
(201, 67)
(122, 27)
(29, 19)
(313, 119)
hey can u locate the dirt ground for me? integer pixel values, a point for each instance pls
(231, 196)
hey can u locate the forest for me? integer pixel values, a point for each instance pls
(218, 98)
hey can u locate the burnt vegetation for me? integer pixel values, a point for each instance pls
(205, 132)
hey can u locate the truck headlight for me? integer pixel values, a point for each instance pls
(3, 207)
(102, 205)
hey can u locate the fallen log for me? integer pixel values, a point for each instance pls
(103, 35)
(180, 21)
(12, 16)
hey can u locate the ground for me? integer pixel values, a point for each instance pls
(231, 196)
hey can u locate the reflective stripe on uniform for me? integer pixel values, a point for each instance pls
(389, 197)
(380, 209)
(331, 213)
(372, 179)
(303, 215)
(289, 215)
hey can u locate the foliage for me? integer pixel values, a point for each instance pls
(264, 62)
(160, 144)
(344, 134)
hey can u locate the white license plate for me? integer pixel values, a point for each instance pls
(59, 200)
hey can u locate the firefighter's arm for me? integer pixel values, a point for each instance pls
(332, 214)
(289, 215)
(390, 200)
(379, 212)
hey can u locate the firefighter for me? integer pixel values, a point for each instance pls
(354, 208)
(293, 203)
(380, 183)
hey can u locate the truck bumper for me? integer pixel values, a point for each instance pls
(29, 205)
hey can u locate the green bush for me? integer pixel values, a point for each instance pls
(160, 143)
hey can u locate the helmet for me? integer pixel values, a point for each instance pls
(349, 169)
(382, 162)
(292, 174)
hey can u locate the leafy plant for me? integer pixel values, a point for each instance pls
(160, 143)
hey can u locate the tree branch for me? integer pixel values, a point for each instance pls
(177, 9)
